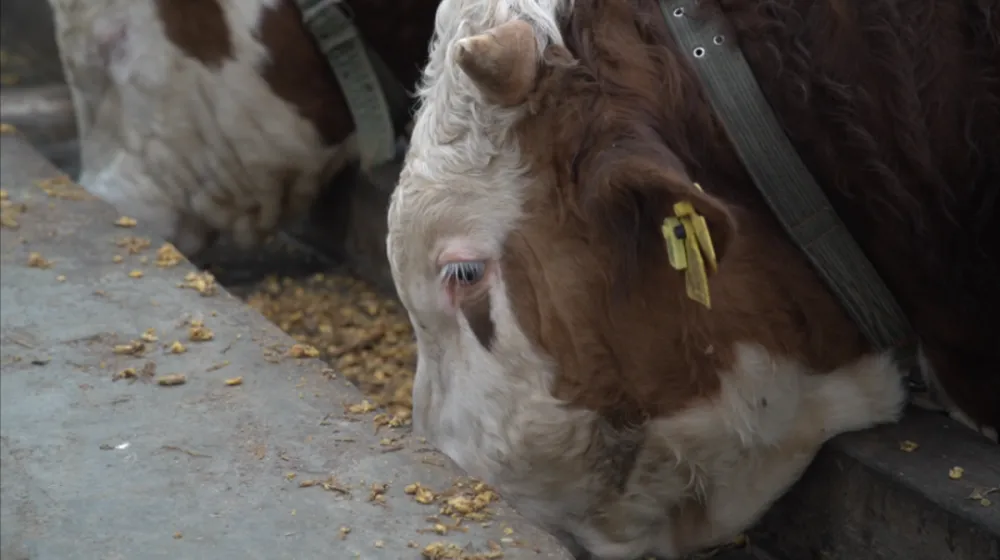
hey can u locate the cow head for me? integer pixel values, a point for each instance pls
(525, 234)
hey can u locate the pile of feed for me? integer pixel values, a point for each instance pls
(362, 334)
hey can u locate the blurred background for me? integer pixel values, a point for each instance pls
(33, 93)
(323, 280)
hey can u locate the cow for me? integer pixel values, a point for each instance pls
(208, 117)
(561, 353)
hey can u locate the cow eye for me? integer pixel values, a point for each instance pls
(465, 273)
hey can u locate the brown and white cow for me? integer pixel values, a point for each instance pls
(201, 117)
(559, 355)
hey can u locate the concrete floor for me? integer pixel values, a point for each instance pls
(96, 468)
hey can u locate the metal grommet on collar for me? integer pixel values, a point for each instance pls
(678, 12)
(718, 39)
(699, 52)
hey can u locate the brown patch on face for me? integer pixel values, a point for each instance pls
(629, 360)
(198, 28)
(299, 73)
(477, 313)
(586, 270)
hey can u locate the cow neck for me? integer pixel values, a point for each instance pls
(786, 184)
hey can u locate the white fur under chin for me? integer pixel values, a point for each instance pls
(187, 149)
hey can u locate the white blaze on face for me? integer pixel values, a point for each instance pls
(459, 196)
(444, 254)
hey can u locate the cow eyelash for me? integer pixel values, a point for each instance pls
(465, 273)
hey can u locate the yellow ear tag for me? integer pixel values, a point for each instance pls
(696, 278)
(700, 225)
(689, 245)
(676, 251)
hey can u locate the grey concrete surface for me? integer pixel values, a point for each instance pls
(99, 469)
(891, 493)
(44, 114)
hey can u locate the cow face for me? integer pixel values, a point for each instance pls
(560, 358)
(520, 221)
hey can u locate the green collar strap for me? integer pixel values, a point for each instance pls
(363, 78)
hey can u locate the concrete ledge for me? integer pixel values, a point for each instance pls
(44, 114)
(865, 497)
(96, 468)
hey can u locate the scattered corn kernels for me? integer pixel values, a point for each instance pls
(36, 260)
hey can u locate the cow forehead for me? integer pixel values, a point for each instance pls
(464, 174)
(458, 200)
(478, 208)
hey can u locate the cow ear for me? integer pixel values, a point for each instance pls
(630, 193)
(502, 63)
